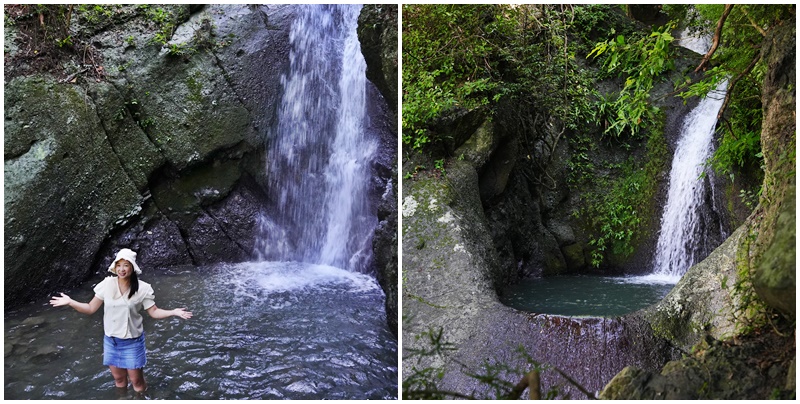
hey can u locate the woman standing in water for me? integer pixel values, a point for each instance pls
(124, 297)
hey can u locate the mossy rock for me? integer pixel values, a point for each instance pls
(574, 257)
(704, 300)
(65, 193)
(377, 32)
(774, 277)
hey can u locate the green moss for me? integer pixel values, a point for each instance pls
(620, 210)
(750, 311)
(193, 83)
(670, 326)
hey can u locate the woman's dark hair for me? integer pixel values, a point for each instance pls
(134, 284)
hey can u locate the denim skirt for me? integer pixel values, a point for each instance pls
(124, 353)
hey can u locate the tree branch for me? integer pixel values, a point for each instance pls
(530, 381)
(741, 75)
(753, 23)
(717, 36)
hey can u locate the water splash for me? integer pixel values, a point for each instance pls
(698, 43)
(319, 156)
(259, 280)
(682, 231)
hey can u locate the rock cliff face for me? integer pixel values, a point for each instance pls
(377, 32)
(162, 156)
(162, 151)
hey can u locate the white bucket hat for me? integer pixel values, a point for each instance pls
(127, 255)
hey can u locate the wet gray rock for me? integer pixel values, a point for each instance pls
(457, 125)
(774, 266)
(562, 232)
(525, 245)
(714, 370)
(64, 192)
(33, 321)
(574, 255)
(479, 147)
(775, 276)
(377, 33)
(703, 301)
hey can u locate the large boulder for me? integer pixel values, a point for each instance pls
(704, 301)
(65, 186)
(745, 369)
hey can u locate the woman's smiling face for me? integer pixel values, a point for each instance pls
(123, 268)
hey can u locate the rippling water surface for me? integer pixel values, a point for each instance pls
(260, 330)
(593, 296)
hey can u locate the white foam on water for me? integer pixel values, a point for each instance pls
(651, 279)
(697, 43)
(254, 279)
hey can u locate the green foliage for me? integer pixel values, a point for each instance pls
(451, 58)
(470, 56)
(166, 21)
(439, 164)
(737, 60)
(64, 42)
(615, 215)
(749, 311)
(96, 14)
(618, 208)
(639, 62)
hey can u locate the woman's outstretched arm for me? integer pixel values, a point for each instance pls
(85, 308)
(157, 313)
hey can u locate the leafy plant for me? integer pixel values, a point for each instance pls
(743, 29)
(64, 42)
(165, 20)
(618, 208)
(96, 14)
(639, 62)
(451, 58)
(616, 217)
(439, 165)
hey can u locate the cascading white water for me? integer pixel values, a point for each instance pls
(696, 43)
(680, 234)
(319, 157)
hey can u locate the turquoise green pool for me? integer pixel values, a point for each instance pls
(591, 296)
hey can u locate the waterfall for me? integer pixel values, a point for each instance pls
(318, 155)
(682, 230)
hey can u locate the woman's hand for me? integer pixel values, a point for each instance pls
(64, 300)
(182, 313)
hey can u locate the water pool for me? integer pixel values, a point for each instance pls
(264, 330)
(591, 296)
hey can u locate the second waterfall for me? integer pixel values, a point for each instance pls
(319, 155)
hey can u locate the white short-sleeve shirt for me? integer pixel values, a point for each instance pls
(121, 316)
